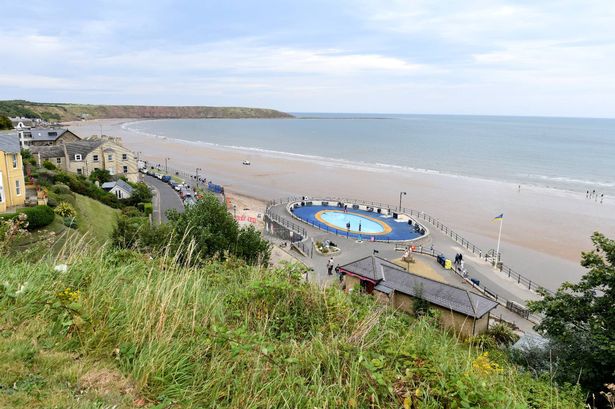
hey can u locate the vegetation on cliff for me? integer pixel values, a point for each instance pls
(72, 112)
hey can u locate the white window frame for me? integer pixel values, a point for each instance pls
(15, 161)
(95, 158)
(124, 156)
(78, 157)
(124, 169)
(1, 189)
(110, 156)
(17, 187)
(58, 160)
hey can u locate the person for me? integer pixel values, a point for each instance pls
(348, 226)
(345, 208)
(359, 226)
(601, 197)
(330, 266)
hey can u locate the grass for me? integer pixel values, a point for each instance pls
(94, 218)
(231, 335)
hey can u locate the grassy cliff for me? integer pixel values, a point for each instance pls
(73, 112)
(121, 330)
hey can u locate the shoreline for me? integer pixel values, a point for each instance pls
(545, 229)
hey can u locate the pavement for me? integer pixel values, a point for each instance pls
(477, 268)
(165, 198)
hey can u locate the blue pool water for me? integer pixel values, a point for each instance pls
(374, 225)
(357, 223)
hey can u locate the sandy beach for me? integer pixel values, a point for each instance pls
(544, 232)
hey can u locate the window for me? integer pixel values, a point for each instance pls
(125, 169)
(79, 171)
(18, 187)
(1, 188)
(124, 156)
(77, 156)
(95, 157)
(110, 157)
(58, 160)
(14, 160)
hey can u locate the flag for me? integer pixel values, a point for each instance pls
(500, 217)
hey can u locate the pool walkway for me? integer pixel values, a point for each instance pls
(477, 268)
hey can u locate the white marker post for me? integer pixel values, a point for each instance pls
(497, 251)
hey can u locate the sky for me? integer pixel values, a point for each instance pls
(543, 58)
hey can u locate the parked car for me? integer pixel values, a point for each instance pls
(166, 178)
(246, 162)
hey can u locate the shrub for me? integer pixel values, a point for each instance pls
(51, 201)
(65, 210)
(70, 222)
(131, 211)
(48, 165)
(60, 188)
(503, 334)
(148, 208)
(38, 216)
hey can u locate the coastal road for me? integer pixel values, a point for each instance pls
(165, 198)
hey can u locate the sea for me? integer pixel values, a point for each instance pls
(571, 154)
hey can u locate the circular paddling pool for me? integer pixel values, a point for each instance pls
(357, 223)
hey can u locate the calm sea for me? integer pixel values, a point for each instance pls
(565, 153)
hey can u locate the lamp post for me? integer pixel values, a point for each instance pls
(197, 176)
(166, 165)
(400, 196)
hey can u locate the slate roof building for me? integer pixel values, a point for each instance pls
(119, 188)
(460, 310)
(85, 156)
(45, 137)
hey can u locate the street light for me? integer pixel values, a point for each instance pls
(197, 176)
(166, 165)
(400, 196)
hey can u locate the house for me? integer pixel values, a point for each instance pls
(12, 184)
(119, 188)
(460, 310)
(85, 156)
(45, 137)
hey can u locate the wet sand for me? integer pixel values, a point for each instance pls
(544, 232)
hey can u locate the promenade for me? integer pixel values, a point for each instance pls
(493, 283)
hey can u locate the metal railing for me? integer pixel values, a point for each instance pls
(420, 215)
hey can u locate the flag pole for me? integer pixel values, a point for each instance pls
(497, 251)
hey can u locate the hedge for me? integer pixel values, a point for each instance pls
(38, 216)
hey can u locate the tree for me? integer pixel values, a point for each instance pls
(580, 320)
(140, 194)
(5, 123)
(215, 233)
(100, 175)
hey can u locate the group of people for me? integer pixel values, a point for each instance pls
(330, 264)
(593, 195)
(459, 260)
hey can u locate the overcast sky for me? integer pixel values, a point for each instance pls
(463, 57)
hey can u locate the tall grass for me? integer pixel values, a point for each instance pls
(231, 335)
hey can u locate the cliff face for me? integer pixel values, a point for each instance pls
(72, 112)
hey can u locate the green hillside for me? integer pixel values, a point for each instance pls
(72, 112)
(120, 330)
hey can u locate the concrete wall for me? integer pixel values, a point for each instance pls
(11, 175)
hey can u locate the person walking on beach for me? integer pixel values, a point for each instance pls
(601, 198)
(360, 224)
(330, 266)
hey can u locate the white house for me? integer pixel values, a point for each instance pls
(119, 188)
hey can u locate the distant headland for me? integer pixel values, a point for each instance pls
(61, 112)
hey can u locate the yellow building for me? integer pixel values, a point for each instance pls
(12, 186)
(459, 310)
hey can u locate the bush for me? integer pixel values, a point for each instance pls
(48, 165)
(60, 188)
(503, 334)
(70, 222)
(65, 210)
(148, 208)
(131, 211)
(38, 216)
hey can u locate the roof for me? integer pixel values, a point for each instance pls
(46, 134)
(72, 148)
(9, 142)
(120, 184)
(387, 276)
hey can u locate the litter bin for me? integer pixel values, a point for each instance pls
(448, 264)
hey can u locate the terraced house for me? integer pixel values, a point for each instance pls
(45, 137)
(12, 186)
(85, 156)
